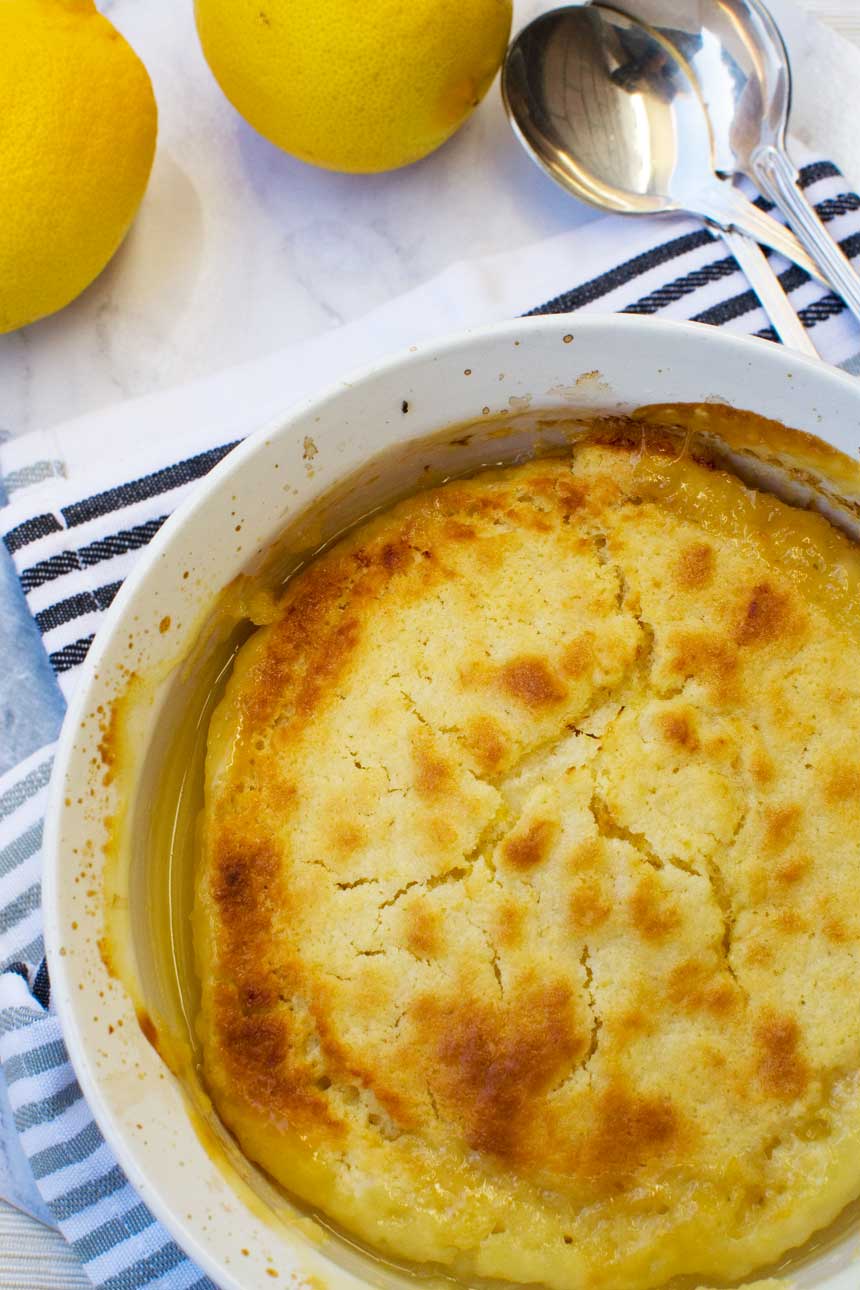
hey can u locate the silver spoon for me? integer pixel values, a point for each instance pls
(753, 263)
(608, 109)
(740, 62)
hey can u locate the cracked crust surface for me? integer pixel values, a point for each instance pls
(527, 916)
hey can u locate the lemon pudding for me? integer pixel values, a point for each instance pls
(527, 915)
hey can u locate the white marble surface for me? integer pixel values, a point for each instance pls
(239, 250)
(841, 15)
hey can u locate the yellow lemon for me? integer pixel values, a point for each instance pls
(77, 138)
(356, 85)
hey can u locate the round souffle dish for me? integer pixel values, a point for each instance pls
(465, 783)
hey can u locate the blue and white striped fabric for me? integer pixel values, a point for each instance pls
(112, 1232)
(72, 541)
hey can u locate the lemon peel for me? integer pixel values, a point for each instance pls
(76, 149)
(355, 87)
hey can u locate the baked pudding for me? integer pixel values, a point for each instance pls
(527, 909)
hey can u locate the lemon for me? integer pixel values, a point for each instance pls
(77, 138)
(355, 85)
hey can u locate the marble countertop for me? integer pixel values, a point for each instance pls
(239, 250)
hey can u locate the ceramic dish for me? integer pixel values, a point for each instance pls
(139, 709)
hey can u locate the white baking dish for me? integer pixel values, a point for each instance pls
(596, 366)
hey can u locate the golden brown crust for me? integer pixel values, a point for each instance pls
(526, 913)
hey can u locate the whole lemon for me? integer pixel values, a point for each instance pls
(77, 136)
(355, 85)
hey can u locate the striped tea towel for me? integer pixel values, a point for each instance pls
(83, 502)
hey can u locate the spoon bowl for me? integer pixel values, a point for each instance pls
(597, 66)
(737, 56)
(605, 107)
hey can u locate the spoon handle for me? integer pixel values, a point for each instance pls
(753, 264)
(725, 207)
(778, 180)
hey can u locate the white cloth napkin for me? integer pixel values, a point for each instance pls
(86, 498)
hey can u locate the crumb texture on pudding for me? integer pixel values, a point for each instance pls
(528, 911)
